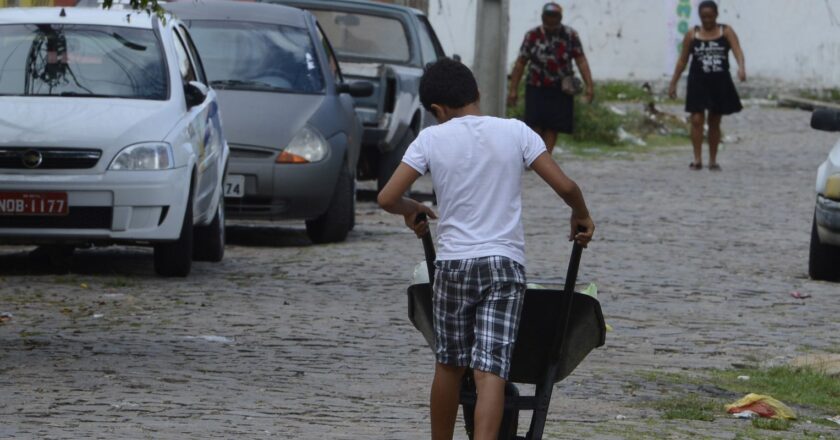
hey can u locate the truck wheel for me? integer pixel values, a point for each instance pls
(174, 259)
(824, 260)
(333, 225)
(390, 160)
(209, 241)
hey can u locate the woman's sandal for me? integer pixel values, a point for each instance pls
(696, 166)
(714, 167)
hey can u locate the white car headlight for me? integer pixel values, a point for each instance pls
(307, 146)
(144, 157)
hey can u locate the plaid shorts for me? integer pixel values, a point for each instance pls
(477, 303)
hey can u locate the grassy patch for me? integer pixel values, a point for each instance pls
(772, 424)
(597, 126)
(832, 95)
(790, 385)
(621, 91)
(689, 408)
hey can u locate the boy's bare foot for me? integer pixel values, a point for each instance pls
(696, 166)
(714, 167)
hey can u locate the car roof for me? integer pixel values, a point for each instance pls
(365, 4)
(238, 11)
(134, 19)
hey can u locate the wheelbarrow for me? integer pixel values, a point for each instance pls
(557, 330)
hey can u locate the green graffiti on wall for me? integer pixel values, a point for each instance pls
(683, 17)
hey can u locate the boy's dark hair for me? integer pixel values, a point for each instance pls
(707, 4)
(447, 82)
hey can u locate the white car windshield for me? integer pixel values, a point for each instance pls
(257, 56)
(81, 61)
(365, 37)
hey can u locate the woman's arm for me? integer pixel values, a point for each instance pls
(586, 73)
(736, 50)
(515, 77)
(681, 63)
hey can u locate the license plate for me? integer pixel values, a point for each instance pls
(235, 186)
(17, 203)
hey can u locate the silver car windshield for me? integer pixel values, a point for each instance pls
(257, 56)
(365, 37)
(81, 61)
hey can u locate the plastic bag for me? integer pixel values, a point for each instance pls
(764, 406)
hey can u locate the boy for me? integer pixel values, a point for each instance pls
(476, 163)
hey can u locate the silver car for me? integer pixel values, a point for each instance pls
(109, 134)
(287, 112)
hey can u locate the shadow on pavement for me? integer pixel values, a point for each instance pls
(134, 261)
(266, 236)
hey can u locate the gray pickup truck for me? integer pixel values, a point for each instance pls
(386, 45)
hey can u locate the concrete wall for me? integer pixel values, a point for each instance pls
(793, 42)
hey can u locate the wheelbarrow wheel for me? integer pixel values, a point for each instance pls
(510, 417)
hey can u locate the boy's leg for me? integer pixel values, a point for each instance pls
(490, 405)
(496, 325)
(446, 395)
(455, 297)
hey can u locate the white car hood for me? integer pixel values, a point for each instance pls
(101, 123)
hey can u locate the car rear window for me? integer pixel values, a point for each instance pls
(81, 61)
(362, 36)
(257, 56)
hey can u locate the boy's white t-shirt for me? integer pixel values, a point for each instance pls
(476, 163)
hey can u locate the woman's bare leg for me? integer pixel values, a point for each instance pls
(714, 137)
(697, 122)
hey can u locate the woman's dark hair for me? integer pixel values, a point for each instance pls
(447, 82)
(707, 4)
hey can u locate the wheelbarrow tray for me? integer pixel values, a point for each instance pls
(543, 313)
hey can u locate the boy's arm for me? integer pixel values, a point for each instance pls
(391, 199)
(568, 190)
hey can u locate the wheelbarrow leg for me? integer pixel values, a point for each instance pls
(535, 431)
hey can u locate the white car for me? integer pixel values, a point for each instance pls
(109, 134)
(824, 261)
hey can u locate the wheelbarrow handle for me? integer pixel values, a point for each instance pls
(568, 296)
(574, 265)
(428, 247)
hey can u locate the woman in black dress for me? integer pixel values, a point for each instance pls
(710, 86)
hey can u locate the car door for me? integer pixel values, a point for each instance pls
(204, 130)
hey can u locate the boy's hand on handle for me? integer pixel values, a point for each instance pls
(582, 230)
(421, 227)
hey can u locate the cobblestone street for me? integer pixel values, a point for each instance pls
(284, 339)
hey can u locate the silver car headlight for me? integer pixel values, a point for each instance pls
(307, 146)
(144, 157)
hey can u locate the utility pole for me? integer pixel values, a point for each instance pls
(490, 63)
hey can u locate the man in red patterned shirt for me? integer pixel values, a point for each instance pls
(548, 50)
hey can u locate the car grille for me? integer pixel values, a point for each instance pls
(51, 158)
(79, 217)
(241, 151)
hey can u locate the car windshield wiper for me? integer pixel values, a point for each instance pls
(128, 44)
(238, 83)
